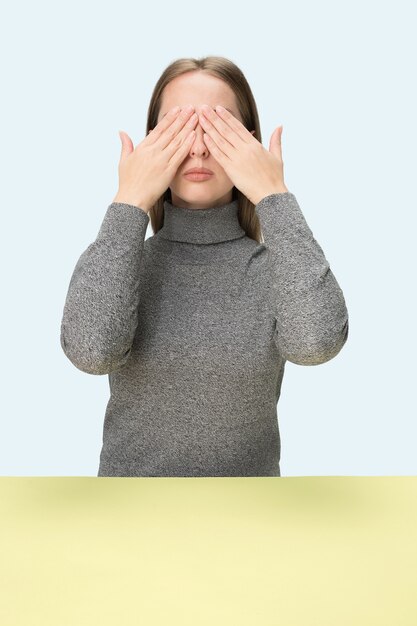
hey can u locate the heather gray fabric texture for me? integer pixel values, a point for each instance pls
(193, 327)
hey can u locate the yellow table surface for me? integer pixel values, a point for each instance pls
(287, 551)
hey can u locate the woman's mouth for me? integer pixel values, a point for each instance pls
(197, 176)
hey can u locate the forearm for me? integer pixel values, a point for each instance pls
(309, 305)
(101, 308)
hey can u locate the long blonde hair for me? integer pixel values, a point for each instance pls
(227, 71)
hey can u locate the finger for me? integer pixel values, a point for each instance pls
(221, 142)
(127, 144)
(275, 143)
(228, 118)
(218, 154)
(178, 156)
(214, 126)
(169, 135)
(178, 140)
(162, 125)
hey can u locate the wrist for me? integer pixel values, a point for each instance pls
(124, 199)
(269, 192)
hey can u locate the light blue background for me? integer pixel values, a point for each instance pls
(340, 78)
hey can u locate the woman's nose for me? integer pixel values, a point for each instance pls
(198, 128)
(198, 144)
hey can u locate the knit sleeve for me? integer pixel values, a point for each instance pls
(312, 322)
(100, 314)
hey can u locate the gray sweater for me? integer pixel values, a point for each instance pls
(193, 327)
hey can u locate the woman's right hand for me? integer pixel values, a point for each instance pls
(145, 172)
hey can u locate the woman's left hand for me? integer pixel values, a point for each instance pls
(255, 171)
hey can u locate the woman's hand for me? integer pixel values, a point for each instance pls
(145, 172)
(256, 172)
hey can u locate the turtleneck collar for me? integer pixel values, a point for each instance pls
(211, 225)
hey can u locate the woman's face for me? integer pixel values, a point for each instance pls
(198, 88)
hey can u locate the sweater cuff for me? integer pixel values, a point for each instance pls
(282, 210)
(123, 220)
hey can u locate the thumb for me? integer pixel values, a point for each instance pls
(275, 142)
(127, 144)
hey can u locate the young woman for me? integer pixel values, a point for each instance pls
(194, 325)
